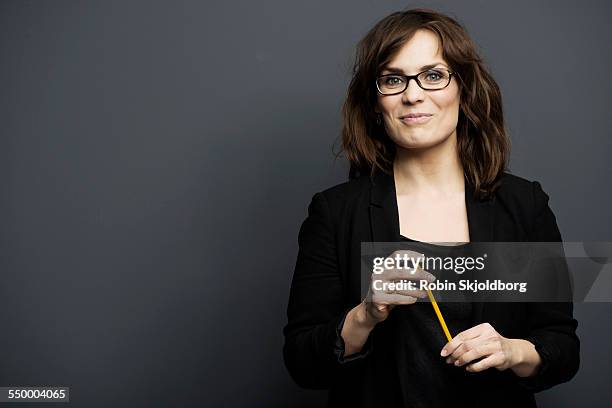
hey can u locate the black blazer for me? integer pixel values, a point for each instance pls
(326, 285)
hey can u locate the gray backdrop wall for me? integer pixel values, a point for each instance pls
(149, 211)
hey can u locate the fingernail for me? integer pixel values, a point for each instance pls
(457, 362)
(430, 277)
(443, 353)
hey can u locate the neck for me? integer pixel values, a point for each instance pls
(434, 170)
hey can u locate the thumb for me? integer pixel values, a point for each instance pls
(383, 308)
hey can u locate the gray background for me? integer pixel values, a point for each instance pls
(157, 159)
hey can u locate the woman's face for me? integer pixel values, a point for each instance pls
(422, 50)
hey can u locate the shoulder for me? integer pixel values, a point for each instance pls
(521, 191)
(524, 199)
(347, 191)
(340, 199)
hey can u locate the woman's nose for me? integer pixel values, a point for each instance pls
(413, 92)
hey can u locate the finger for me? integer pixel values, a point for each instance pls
(464, 347)
(493, 360)
(414, 293)
(475, 352)
(465, 335)
(406, 288)
(393, 299)
(395, 274)
(380, 307)
(407, 292)
(406, 254)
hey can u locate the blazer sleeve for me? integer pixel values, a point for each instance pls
(314, 350)
(552, 327)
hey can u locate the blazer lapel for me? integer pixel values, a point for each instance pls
(384, 219)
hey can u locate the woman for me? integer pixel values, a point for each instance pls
(423, 131)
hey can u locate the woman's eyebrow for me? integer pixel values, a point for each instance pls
(423, 68)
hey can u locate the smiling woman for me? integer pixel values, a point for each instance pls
(411, 124)
(425, 64)
(423, 131)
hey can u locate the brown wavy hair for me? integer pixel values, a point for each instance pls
(482, 142)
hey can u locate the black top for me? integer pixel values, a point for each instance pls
(435, 383)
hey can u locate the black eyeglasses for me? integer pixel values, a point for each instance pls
(430, 80)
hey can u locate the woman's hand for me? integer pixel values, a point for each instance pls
(381, 300)
(377, 305)
(494, 350)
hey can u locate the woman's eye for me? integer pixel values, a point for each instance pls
(433, 76)
(393, 81)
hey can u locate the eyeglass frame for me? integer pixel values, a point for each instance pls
(416, 79)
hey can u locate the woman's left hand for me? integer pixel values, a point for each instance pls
(481, 341)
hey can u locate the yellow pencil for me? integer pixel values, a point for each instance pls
(439, 314)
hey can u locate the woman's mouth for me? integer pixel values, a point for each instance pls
(416, 118)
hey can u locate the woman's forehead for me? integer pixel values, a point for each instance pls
(423, 49)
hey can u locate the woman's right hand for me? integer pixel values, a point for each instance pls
(377, 305)
(379, 302)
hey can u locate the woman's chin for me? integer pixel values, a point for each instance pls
(417, 143)
(418, 140)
